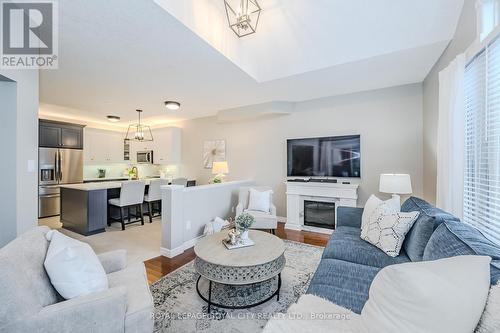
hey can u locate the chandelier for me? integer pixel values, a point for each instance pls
(242, 16)
(139, 131)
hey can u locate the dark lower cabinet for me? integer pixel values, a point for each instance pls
(84, 212)
(53, 134)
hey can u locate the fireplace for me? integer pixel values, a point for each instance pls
(319, 214)
(326, 193)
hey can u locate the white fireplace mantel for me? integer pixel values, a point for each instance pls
(298, 192)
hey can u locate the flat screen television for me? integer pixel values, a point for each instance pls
(335, 156)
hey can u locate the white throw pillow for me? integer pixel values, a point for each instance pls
(73, 267)
(387, 229)
(371, 204)
(442, 296)
(312, 314)
(215, 226)
(260, 201)
(490, 320)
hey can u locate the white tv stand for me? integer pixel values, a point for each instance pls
(297, 192)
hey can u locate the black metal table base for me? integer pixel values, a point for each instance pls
(210, 303)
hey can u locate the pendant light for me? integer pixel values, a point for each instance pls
(242, 16)
(139, 132)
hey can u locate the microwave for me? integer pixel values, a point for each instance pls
(145, 157)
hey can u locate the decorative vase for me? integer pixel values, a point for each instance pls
(244, 234)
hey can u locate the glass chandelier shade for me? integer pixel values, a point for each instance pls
(243, 16)
(139, 132)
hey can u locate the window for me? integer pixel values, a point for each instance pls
(488, 17)
(482, 142)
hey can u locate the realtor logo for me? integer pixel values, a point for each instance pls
(29, 36)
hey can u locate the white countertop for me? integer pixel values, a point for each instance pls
(98, 185)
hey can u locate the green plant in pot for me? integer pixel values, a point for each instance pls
(217, 179)
(243, 223)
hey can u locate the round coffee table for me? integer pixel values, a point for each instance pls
(246, 267)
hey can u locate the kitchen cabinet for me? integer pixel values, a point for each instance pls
(167, 145)
(102, 146)
(49, 136)
(53, 134)
(71, 137)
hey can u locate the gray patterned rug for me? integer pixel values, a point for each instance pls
(178, 307)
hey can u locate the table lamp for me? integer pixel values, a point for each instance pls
(395, 184)
(220, 169)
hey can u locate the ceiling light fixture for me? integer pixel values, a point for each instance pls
(244, 19)
(172, 105)
(113, 119)
(141, 132)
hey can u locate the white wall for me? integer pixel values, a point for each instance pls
(186, 211)
(388, 120)
(25, 141)
(8, 166)
(464, 36)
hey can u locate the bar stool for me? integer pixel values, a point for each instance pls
(131, 196)
(180, 181)
(154, 196)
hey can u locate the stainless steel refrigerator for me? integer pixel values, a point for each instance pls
(55, 167)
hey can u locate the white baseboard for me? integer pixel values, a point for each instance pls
(293, 226)
(318, 230)
(170, 253)
(299, 227)
(191, 243)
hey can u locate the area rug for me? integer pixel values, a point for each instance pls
(178, 307)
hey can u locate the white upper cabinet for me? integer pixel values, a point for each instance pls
(115, 148)
(101, 146)
(143, 146)
(167, 145)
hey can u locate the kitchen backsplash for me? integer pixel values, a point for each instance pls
(119, 170)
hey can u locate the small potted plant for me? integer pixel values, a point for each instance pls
(243, 223)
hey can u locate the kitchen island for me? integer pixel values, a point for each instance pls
(84, 207)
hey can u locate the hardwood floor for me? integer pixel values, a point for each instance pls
(161, 266)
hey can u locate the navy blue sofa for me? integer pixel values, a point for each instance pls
(349, 264)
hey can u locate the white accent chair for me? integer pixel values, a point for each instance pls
(131, 196)
(31, 304)
(263, 220)
(180, 181)
(154, 197)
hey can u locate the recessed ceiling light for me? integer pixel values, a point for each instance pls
(113, 119)
(171, 105)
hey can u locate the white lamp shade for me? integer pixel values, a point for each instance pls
(219, 168)
(395, 183)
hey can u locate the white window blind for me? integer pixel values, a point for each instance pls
(488, 16)
(482, 146)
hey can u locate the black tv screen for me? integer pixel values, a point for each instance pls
(336, 156)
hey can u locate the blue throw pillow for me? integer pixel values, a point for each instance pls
(429, 219)
(455, 238)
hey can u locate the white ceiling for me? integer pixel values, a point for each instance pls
(299, 36)
(119, 55)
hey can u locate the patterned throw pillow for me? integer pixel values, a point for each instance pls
(371, 205)
(387, 229)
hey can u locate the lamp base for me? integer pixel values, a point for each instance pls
(398, 198)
